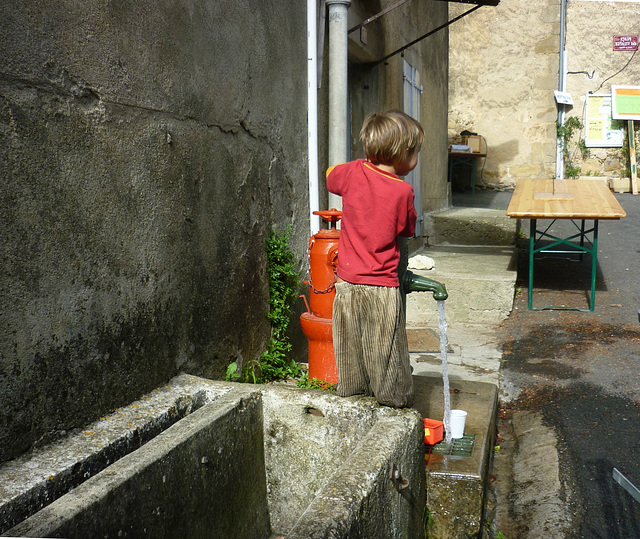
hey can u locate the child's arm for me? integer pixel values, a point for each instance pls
(334, 184)
(407, 219)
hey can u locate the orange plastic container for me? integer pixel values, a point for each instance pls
(432, 431)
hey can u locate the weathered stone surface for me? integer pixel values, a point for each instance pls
(37, 478)
(538, 502)
(480, 281)
(360, 500)
(306, 462)
(145, 152)
(470, 226)
(308, 437)
(456, 486)
(187, 482)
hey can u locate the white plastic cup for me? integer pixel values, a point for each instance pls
(458, 418)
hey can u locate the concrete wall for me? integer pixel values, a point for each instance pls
(504, 68)
(146, 149)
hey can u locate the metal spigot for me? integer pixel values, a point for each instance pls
(410, 282)
(415, 283)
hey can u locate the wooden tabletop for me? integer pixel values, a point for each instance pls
(564, 199)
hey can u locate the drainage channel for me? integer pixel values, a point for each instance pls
(459, 447)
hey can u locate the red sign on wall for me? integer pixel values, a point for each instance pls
(625, 43)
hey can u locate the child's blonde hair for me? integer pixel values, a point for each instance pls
(389, 138)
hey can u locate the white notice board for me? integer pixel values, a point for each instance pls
(601, 131)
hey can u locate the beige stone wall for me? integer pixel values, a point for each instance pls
(504, 68)
(593, 66)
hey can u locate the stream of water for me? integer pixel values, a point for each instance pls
(444, 344)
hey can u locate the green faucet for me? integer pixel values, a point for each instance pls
(415, 283)
(410, 282)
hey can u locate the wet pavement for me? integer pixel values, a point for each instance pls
(571, 378)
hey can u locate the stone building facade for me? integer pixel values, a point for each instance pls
(504, 68)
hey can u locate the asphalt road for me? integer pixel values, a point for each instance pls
(580, 371)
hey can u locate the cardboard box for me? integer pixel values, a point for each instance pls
(474, 142)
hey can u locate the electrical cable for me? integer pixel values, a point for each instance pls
(589, 76)
(617, 73)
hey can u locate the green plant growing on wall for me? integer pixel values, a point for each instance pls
(584, 150)
(314, 383)
(232, 373)
(565, 133)
(275, 363)
(571, 172)
(428, 522)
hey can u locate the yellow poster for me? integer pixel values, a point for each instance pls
(601, 131)
(595, 128)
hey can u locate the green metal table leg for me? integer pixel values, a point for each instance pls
(594, 266)
(533, 236)
(532, 244)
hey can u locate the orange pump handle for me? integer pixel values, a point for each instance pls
(332, 216)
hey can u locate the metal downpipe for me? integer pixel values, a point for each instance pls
(338, 87)
(312, 114)
(562, 86)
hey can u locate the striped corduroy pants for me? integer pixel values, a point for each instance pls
(370, 344)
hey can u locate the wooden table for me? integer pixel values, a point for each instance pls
(564, 199)
(468, 159)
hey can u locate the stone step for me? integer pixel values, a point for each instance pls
(480, 281)
(470, 226)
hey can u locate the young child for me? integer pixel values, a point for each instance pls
(369, 333)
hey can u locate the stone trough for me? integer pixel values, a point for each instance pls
(200, 458)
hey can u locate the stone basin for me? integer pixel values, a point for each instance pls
(235, 460)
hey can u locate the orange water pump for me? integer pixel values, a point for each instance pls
(323, 262)
(316, 323)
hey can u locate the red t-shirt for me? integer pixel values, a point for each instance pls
(377, 207)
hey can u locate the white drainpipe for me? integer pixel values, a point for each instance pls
(312, 114)
(338, 87)
(562, 86)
